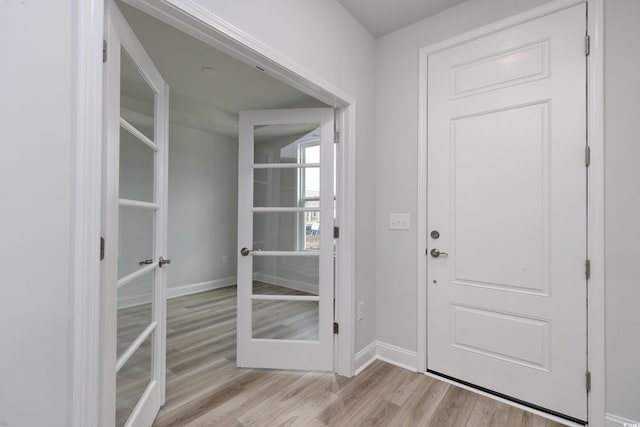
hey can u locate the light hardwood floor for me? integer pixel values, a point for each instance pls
(204, 388)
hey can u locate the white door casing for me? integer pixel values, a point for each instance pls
(269, 216)
(507, 194)
(134, 226)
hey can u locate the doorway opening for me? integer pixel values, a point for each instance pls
(208, 89)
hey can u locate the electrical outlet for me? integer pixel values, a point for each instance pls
(361, 310)
(399, 222)
(224, 259)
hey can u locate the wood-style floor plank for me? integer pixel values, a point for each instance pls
(205, 389)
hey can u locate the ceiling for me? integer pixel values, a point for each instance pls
(208, 88)
(381, 17)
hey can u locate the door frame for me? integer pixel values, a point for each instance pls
(595, 176)
(86, 363)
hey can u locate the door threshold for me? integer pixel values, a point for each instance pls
(547, 413)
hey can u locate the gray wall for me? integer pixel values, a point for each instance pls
(622, 177)
(203, 206)
(36, 161)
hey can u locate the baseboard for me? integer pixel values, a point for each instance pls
(287, 283)
(398, 356)
(389, 353)
(365, 357)
(616, 421)
(194, 288)
(179, 291)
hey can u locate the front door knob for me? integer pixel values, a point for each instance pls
(436, 253)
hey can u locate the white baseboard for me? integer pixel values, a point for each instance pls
(398, 356)
(287, 283)
(179, 291)
(365, 357)
(389, 353)
(616, 421)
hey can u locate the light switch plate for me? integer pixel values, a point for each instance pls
(399, 222)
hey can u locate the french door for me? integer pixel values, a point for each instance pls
(134, 229)
(285, 239)
(507, 291)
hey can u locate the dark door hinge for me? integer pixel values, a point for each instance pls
(587, 45)
(336, 328)
(336, 138)
(587, 156)
(101, 248)
(336, 232)
(587, 269)
(588, 381)
(104, 51)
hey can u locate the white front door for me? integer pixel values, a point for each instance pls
(285, 239)
(507, 213)
(134, 227)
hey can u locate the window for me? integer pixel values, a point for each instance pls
(309, 197)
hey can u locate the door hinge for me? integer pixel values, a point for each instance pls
(336, 328)
(587, 45)
(101, 248)
(336, 137)
(588, 381)
(336, 232)
(587, 156)
(104, 51)
(587, 269)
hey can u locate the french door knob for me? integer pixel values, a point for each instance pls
(246, 252)
(436, 253)
(163, 261)
(146, 261)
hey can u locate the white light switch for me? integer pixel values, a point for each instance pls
(399, 222)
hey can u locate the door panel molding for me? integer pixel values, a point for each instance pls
(595, 222)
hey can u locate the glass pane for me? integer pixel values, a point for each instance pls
(132, 380)
(285, 320)
(136, 168)
(284, 143)
(134, 309)
(137, 99)
(136, 238)
(286, 231)
(285, 188)
(286, 275)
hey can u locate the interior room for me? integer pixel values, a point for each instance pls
(166, 241)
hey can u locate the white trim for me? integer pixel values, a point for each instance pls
(617, 421)
(365, 357)
(378, 350)
(194, 288)
(85, 363)
(287, 283)
(596, 224)
(508, 402)
(395, 355)
(596, 238)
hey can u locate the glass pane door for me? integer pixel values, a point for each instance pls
(135, 173)
(285, 275)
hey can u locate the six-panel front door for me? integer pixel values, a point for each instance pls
(134, 221)
(507, 212)
(285, 239)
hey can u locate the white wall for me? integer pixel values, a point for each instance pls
(203, 206)
(324, 38)
(36, 143)
(396, 152)
(622, 151)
